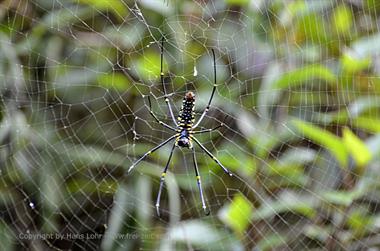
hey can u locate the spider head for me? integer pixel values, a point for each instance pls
(190, 96)
(184, 142)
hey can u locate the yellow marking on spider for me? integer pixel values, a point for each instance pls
(198, 177)
(162, 74)
(163, 174)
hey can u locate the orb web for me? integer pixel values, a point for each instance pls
(297, 85)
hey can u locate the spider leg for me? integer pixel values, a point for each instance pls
(162, 179)
(157, 119)
(206, 211)
(151, 151)
(163, 84)
(211, 156)
(212, 95)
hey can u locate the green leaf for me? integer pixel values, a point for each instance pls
(80, 185)
(360, 222)
(352, 63)
(237, 160)
(237, 2)
(114, 80)
(325, 139)
(148, 66)
(356, 147)
(343, 198)
(299, 76)
(312, 28)
(238, 214)
(118, 7)
(342, 19)
(371, 125)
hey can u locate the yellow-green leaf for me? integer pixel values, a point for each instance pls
(324, 138)
(342, 19)
(358, 150)
(148, 66)
(300, 76)
(114, 80)
(118, 7)
(237, 2)
(239, 213)
(352, 63)
(371, 125)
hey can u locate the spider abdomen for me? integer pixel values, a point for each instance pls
(186, 115)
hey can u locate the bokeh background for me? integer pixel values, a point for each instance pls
(298, 90)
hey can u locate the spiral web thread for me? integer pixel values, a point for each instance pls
(75, 79)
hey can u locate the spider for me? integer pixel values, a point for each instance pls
(184, 136)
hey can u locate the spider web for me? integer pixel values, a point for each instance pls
(297, 92)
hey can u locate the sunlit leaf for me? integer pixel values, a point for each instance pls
(114, 80)
(352, 63)
(356, 147)
(311, 27)
(371, 125)
(237, 2)
(148, 66)
(238, 214)
(360, 222)
(324, 138)
(116, 6)
(342, 19)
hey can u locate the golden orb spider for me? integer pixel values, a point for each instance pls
(184, 137)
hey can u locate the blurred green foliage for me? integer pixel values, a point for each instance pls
(298, 90)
